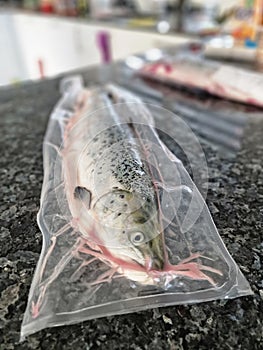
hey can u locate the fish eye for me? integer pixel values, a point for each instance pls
(137, 238)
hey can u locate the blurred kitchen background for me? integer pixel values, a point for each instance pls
(201, 59)
(44, 38)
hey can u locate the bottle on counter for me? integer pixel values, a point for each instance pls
(82, 7)
(46, 6)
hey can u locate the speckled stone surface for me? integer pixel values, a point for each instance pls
(235, 198)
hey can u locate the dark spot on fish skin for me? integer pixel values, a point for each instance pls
(119, 214)
(123, 231)
(110, 96)
(112, 201)
(122, 196)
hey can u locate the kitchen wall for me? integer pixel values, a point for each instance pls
(62, 44)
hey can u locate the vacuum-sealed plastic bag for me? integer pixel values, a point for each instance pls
(195, 72)
(124, 227)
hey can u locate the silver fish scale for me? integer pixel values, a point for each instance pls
(133, 175)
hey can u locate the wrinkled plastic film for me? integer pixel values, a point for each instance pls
(118, 209)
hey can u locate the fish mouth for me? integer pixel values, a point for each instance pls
(154, 254)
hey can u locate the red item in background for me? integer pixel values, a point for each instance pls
(41, 68)
(46, 7)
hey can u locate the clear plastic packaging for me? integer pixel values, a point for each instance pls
(194, 72)
(124, 227)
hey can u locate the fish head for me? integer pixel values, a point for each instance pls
(145, 237)
(129, 227)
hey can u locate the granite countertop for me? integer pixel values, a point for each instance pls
(235, 198)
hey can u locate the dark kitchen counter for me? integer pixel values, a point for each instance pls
(235, 198)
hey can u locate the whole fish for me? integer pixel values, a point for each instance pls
(109, 185)
(111, 188)
(225, 81)
(114, 194)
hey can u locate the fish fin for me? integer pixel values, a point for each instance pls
(83, 194)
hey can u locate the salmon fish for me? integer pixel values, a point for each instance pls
(225, 81)
(111, 187)
(109, 184)
(113, 194)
